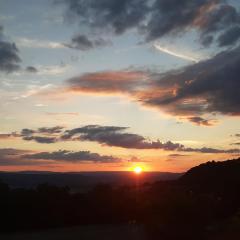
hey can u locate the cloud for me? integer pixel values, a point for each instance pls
(9, 58)
(27, 132)
(175, 155)
(40, 139)
(62, 113)
(204, 88)
(229, 37)
(108, 82)
(5, 135)
(74, 157)
(179, 55)
(156, 19)
(111, 136)
(31, 69)
(18, 157)
(82, 42)
(40, 105)
(201, 121)
(37, 43)
(136, 160)
(236, 143)
(50, 130)
(211, 150)
(44, 130)
(52, 70)
(209, 86)
(208, 17)
(115, 136)
(114, 15)
(222, 19)
(11, 151)
(45, 135)
(12, 157)
(35, 90)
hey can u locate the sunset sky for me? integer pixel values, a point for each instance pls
(105, 85)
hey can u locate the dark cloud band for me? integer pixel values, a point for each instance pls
(213, 19)
(18, 157)
(111, 136)
(9, 55)
(74, 157)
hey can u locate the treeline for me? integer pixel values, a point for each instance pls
(181, 209)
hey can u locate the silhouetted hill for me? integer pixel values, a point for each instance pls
(226, 172)
(203, 204)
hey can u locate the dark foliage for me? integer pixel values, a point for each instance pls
(202, 204)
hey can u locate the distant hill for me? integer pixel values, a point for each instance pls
(81, 181)
(213, 173)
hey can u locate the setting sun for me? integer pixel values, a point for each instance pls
(137, 170)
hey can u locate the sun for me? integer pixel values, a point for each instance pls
(137, 169)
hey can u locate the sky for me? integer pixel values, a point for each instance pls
(106, 85)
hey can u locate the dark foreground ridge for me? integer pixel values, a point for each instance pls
(204, 203)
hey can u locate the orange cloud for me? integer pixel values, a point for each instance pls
(108, 82)
(201, 89)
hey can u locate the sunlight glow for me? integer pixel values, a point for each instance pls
(137, 170)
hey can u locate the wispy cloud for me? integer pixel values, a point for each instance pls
(41, 70)
(52, 70)
(33, 90)
(175, 54)
(37, 43)
(40, 105)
